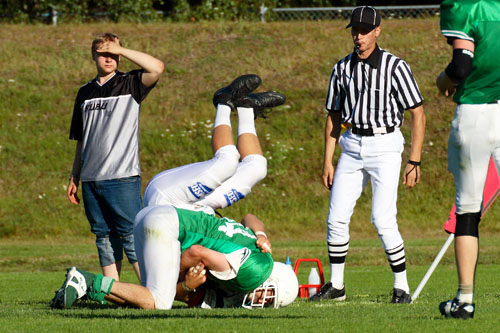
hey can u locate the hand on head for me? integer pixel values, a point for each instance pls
(264, 244)
(112, 47)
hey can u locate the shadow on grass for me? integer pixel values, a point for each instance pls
(111, 311)
(175, 314)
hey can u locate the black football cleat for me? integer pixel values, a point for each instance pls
(240, 87)
(261, 101)
(328, 292)
(400, 296)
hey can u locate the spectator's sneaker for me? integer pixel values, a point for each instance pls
(261, 101)
(399, 296)
(328, 292)
(241, 86)
(74, 287)
(453, 308)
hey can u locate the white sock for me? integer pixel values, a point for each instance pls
(223, 115)
(401, 282)
(465, 293)
(337, 275)
(246, 123)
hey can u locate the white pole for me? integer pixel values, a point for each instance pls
(431, 269)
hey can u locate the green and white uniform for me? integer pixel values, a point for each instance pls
(477, 21)
(250, 267)
(475, 130)
(163, 232)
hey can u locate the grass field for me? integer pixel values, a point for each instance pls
(32, 274)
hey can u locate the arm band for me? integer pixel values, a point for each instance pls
(262, 233)
(186, 288)
(460, 66)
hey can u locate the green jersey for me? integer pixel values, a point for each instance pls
(226, 236)
(477, 21)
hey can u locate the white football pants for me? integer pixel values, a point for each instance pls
(363, 158)
(474, 138)
(156, 233)
(216, 183)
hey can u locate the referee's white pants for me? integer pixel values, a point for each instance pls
(156, 233)
(216, 183)
(363, 158)
(474, 138)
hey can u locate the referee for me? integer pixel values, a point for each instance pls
(368, 93)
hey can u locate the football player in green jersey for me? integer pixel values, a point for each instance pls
(178, 238)
(472, 27)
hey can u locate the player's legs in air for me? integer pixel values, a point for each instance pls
(224, 179)
(185, 185)
(253, 165)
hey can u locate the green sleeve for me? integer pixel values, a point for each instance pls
(455, 19)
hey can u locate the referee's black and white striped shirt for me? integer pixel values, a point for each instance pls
(374, 92)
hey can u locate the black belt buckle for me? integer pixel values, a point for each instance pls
(371, 131)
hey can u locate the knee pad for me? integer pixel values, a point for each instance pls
(255, 166)
(468, 224)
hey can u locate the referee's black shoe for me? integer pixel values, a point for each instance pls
(328, 292)
(399, 296)
(260, 101)
(240, 87)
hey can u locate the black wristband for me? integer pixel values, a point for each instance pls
(414, 163)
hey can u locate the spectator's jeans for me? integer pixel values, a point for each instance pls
(111, 206)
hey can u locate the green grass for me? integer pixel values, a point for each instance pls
(39, 78)
(28, 284)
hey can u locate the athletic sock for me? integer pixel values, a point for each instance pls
(337, 275)
(223, 115)
(337, 254)
(465, 293)
(101, 286)
(401, 282)
(106, 284)
(397, 261)
(246, 122)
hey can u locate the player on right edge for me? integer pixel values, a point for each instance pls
(473, 76)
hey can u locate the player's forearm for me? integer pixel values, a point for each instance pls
(181, 294)
(253, 223)
(77, 162)
(417, 133)
(212, 260)
(332, 134)
(149, 63)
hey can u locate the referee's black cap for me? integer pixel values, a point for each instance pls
(365, 17)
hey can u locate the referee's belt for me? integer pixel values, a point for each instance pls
(372, 131)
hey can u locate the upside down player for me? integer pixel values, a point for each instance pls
(178, 218)
(473, 76)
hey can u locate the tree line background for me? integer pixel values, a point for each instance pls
(40, 11)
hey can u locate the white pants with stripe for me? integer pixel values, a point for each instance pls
(363, 158)
(474, 138)
(216, 183)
